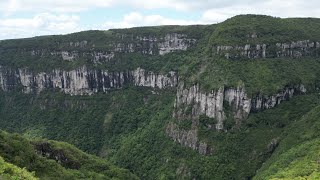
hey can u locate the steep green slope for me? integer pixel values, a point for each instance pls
(9, 171)
(18, 52)
(265, 76)
(298, 153)
(238, 30)
(53, 160)
(128, 126)
(131, 130)
(196, 65)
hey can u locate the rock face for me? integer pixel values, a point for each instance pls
(188, 138)
(294, 50)
(81, 81)
(145, 45)
(150, 79)
(152, 45)
(174, 42)
(239, 102)
(192, 102)
(46, 150)
(261, 102)
(210, 104)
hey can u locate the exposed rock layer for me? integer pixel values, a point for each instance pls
(192, 102)
(212, 103)
(81, 81)
(145, 45)
(293, 49)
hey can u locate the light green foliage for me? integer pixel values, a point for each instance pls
(298, 154)
(128, 126)
(238, 30)
(259, 75)
(132, 124)
(78, 165)
(11, 172)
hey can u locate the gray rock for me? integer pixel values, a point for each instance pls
(82, 81)
(293, 49)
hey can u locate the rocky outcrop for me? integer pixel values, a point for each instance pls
(261, 102)
(150, 79)
(249, 51)
(294, 50)
(99, 57)
(80, 44)
(81, 81)
(188, 138)
(154, 45)
(239, 102)
(69, 56)
(46, 150)
(191, 102)
(174, 42)
(145, 45)
(210, 104)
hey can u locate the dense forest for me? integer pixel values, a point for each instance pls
(234, 100)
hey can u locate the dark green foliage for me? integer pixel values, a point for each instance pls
(265, 76)
(133, 123)
(9, 171)
(24, 153)
(205, 120)
(128, 126)
(238, 30)
(298, 153)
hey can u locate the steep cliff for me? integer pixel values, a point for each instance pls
(191, 103)
(148, 45)
(81, 81)
(203, 114)
(212, 104)
(53, 160)
(296, 49)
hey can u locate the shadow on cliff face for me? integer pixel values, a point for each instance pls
(47, 151)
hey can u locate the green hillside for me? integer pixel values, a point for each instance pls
(298, 153)
(52, 160)
(127, 125)
(10, 171)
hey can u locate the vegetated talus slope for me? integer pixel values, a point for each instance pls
(115, 94)
(297, 156)
(53, 160)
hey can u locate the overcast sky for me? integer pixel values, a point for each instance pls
(27, 18)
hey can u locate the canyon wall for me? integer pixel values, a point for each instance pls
(81, 81)
(295, 49)
(192, 102)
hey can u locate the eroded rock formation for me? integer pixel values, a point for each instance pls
(81, 81)
(287, 49)
(192, 102)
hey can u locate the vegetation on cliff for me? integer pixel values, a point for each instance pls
(128, 126)
(52, 160)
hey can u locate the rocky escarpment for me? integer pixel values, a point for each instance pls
(145, 45)
(210, 104)
(192, 102)
(81, 81)
(155, 45)
(293, 49)
(46, 150)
